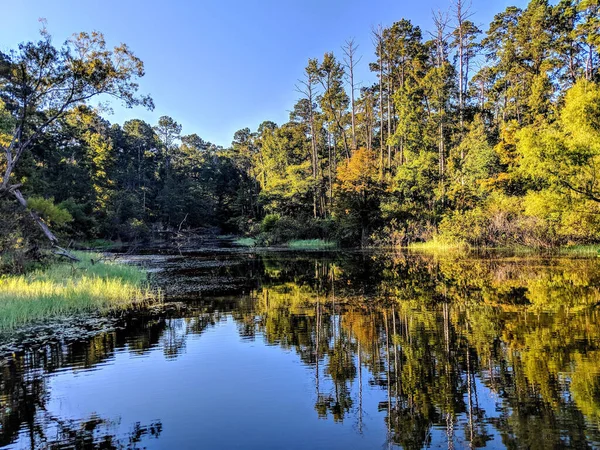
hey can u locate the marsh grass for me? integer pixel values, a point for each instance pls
(434, 246)
(63, 289)
(245, 242)
(438, 246)
(580, 250)
(312, 244)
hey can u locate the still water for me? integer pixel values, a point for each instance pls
(327, 351)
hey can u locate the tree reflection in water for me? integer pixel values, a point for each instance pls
(429, 333)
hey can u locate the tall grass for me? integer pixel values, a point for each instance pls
(438, 246)
(245, 242)
(311, 244)
(435, 246)
(580, 250)
(63, 289)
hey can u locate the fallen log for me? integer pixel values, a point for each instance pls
(65, 254)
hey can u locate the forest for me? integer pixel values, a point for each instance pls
(481, 137)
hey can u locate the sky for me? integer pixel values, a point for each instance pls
(217, 66)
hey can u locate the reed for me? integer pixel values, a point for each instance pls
(63, 289)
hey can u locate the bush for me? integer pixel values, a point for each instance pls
(465, 226)
(540, 219)
(269, 223)
(277, 230)
(134, 230)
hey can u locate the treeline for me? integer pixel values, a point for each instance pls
(484, 137)
(93, 179)
(68, 174)
(488, 138)
(89, 179)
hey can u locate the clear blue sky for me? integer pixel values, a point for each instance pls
(217, 66)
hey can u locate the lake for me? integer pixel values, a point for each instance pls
(335, 350)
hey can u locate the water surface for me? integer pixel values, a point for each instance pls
(327, 351)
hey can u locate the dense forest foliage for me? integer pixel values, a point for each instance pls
(488, 137)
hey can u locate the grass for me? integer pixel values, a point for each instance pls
(245, 242)
(588, 250)
(582, 250)
(311, 244)
(438, 246)
(63, 289)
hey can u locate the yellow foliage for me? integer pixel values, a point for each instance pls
(359, 173)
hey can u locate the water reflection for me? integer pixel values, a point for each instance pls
(398, 350)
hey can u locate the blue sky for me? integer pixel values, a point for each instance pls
(217, 66)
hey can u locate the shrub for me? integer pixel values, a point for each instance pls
(269, 223)
(276, 230)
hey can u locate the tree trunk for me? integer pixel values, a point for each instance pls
(380, 37)
(389, 114)
(350, 50)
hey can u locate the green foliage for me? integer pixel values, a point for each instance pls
(56, 215)
(358, 190)
(280, 230)
(269, 222)
(84, 222)
(472, 164)
(283, 230)
(64, 289)
(469, 226)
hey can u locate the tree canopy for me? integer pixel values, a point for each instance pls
(484, 137)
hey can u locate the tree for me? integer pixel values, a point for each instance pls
(464, 41)
(588, 32)
(378, 67)
(168, 132)
(358, 189)
(287, 185)
(568, 152)
(246, 157)
(333, 99)
(501, 51)
(350, 61)
(405, 56)
(139, 159)
(438, 87)
(305, 111)
(471, 164)
(42, 83)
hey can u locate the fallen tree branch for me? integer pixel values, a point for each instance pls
(65, 254)
(184, 219)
